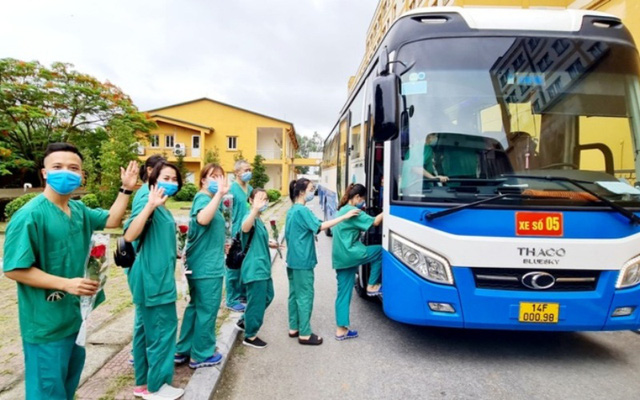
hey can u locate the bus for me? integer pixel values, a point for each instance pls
(501, 145)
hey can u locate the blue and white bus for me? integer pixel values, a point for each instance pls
(502, 146)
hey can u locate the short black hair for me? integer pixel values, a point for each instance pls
(56, 147)
(150, 163)
(155, 174)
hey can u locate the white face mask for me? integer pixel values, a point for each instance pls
(309, 196)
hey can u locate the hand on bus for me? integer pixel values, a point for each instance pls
(443, 179)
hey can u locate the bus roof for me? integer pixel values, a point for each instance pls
(495, 18)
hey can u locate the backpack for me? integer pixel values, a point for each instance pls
(236, 255)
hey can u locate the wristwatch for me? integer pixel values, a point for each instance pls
(125, 191)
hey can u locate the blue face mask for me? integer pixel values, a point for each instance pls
(309, 196)
(63, 182)
(213, 187)
(264, 208)
(361, 204)
(170, 188)
(246, 177)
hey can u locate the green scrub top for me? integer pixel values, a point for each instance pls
(240, 205)
(41, 235)
(348, 250)
(300, 231)
(257, 263)
(205, 243)
(151, 277)
(413, 159)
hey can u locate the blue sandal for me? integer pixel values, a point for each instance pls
(349, 335)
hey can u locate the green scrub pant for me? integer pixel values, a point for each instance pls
(259, 296)
(154, 345)
(52, 370)
(346, 279)
(198, 331)
(233, 286)
(374, 258)
(300, 300)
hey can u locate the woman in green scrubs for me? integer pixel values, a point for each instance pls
(349, 253)
(240, 190)
(301, 228)
(46, 246)
(152, 283)
(205, 262)
(145, 171)
(256, 268)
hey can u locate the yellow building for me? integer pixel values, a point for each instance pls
(196, 129)
(388, 11)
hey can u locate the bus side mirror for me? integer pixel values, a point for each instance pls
(385, 107)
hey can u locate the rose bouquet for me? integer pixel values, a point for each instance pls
(227, 207)
(276, 236)
(182, 232)
(95, 269)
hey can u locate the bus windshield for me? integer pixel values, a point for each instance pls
(490, 115)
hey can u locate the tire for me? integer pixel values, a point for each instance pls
(361, 284)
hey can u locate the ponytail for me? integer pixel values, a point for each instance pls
(297, 187)
(352, 190)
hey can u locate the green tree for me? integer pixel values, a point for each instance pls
(116, 152)
(40, 105)
(238, 156)
(182, 167)
(259, 177)
(212, 156)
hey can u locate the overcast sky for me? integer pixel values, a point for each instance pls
(290, 59)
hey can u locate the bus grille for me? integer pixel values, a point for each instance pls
(512, 279)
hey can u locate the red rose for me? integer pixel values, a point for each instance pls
(98, 251)
(183, 229)
(273, 222)
(226, 203)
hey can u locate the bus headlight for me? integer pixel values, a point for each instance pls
(629, 274)
(424, 262)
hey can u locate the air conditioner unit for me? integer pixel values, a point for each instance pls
(140, 149)
(180, 149)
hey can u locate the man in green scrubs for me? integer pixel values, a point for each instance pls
(418, 165)
(205, 261)
(241, 190)
(45, 250)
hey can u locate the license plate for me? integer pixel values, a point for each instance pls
(539, 313)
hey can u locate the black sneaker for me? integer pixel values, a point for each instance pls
(257, 343)
(240, 324)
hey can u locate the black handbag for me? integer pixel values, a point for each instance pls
(236, 254)
(125, 255)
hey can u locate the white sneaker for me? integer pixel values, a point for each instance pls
(166, 392)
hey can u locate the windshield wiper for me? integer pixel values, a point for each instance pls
(634, 219)
(433, 215)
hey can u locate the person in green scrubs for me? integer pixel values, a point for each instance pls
(152, 283)
(418, 165)
(240, 189)
(349, 253)
(140, 195)
(205, 262)
(256, 268)
(46, 246)
(301, 228)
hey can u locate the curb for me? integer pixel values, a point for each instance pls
(204, 381)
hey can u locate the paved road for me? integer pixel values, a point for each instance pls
(394, 361)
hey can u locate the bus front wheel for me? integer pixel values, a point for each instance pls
(362, 277)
